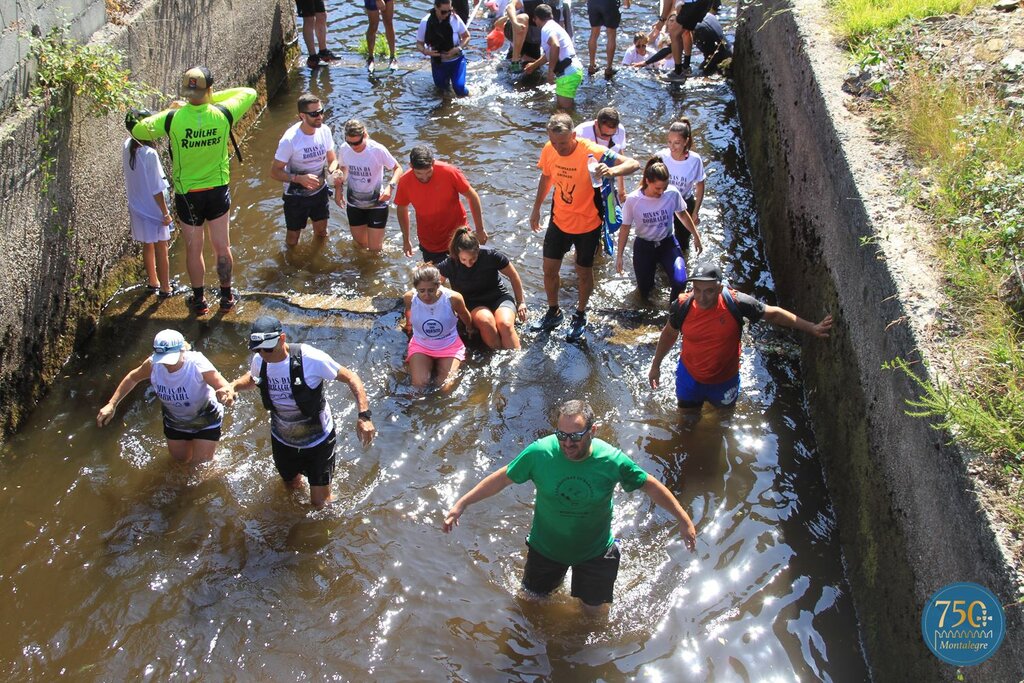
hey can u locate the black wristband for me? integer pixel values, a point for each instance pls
(365, 415)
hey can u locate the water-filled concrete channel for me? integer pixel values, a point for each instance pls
(118, 563)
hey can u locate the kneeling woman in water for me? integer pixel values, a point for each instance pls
(192, 392)
(652, 208)
(432, 314)
(475, 273)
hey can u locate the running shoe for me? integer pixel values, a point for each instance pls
(678, 77)
(577, 326)
(152, 289)
(393, 63)
(164, 295)
(198, 306)
(326, 55)
(550, 320)
(591, 69)
(369, 66)
(609, 72)
(313, 61)
(228, 302)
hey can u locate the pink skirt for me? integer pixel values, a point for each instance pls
(455, 350)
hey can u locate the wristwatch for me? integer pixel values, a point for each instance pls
(365, 415)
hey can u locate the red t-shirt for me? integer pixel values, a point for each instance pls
(439, 210)
(711, 338)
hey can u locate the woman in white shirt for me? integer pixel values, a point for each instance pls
(686, 169)
(432, 313)
(192, 393)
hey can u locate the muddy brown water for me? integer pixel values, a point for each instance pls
(118, 564)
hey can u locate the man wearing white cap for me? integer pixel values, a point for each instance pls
(199, 132)
(192, 392)
(711, 321)
(291, 383)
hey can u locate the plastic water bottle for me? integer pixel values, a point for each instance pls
(595, 179)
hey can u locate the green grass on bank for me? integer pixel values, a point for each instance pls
(860, 18)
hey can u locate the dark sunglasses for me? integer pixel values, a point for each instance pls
(575, 437)
(315, 114)
(444, 13)
(357, 142)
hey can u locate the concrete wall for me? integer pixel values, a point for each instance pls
(20, 18)
(909, 518)
(61, 253)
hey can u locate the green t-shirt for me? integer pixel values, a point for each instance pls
(572, 516)
(199, 138)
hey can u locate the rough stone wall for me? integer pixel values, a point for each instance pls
(60, 254)
(909, 518)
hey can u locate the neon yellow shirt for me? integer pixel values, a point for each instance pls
(199, 138)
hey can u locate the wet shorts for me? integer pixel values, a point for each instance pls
(557, 244)
(502, 300)
(308, 8)
(298, 209)
(376, 217)
(592, 581)
(691, 13)
(195, 208)
(208, 434)
(434, 257)
(603, 13)
(371, 6)
(567, 85)
(315, 462)
(693, 394)
(456, 350)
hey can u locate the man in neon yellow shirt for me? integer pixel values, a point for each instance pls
(575, 475)
(199, 131)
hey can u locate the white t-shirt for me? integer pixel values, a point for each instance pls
(144, 181)
(303, 154)
(588, 130)
(631, 57)
(287, 423)
(565, 47)
(458, 29)
(189, 403)
(684, 174)
(652, 219)
(366, 173)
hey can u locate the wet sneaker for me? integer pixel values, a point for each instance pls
(550, 321)
(369, 66)
(198, 306)
(609, 72)
(591, 69)
(673, 76)
(326, 55)
(164, 295)
(577, 326)
(393, 63)
(313, 61)
(228, 302)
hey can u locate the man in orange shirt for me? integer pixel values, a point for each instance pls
(433, 189)
(575, 221)
(710, 319)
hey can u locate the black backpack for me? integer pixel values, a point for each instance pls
(686, 303)
(310, 401)
(231, 122)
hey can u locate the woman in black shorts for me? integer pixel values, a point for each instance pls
(475, 273)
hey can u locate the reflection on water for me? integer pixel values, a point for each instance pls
(118, 563)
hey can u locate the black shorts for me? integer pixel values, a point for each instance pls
(315, 462)
(504, 299)
(557, 244)
(195, 208)
(208, 434)
(298, 209)
(309, 8)
(593, 581)
(434, 257)
(376, 217)
(604, 13)
(691, 13)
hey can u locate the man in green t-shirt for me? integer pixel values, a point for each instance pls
(199, 131)
(575, 476)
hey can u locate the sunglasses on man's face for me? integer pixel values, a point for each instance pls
(575, 437)
(315, 114)
(444, 13)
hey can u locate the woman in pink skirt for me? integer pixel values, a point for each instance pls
(432, 314)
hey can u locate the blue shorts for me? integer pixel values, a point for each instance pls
(693, 394)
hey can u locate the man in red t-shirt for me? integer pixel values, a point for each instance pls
(709, 359)
(433, 189)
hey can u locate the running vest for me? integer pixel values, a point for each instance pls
(439, 34)
(310, 401)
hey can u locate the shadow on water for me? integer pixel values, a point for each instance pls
(118, 563)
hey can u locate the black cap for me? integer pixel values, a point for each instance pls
(264, 332)
(707, 272)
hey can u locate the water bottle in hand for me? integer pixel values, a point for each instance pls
(595, 179)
